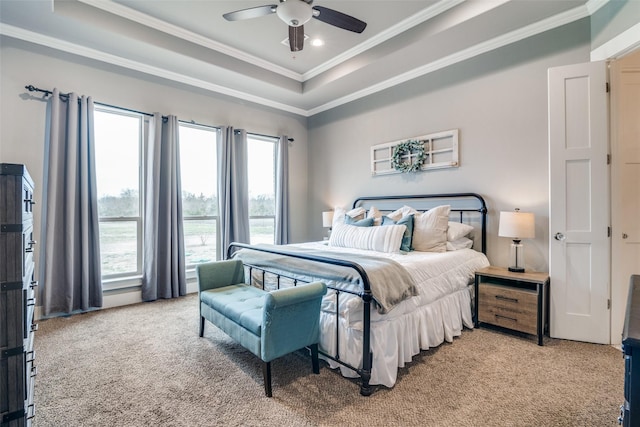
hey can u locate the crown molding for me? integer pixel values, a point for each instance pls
(618, 46)
(36, 38)
(163, 26)
(480, 48)
(495, 43)
(412, 21)
(594, 5)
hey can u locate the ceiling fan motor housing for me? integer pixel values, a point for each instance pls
(294, 12)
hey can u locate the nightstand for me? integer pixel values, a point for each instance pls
(517, 301)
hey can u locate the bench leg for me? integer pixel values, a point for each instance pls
(201, 326)
(314, 358)
(266, 373)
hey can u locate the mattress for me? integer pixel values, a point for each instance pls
(438, 313)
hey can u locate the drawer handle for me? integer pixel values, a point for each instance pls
(621, 417)
(31, 408)
(34, 371)
(31, 302)
(34, 327)
(506, 317)
(34, 284)
(32, 355)
(502, 297)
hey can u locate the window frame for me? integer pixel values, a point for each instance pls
(119, 280)
(274, 140)
(116, 281)
(214, 130)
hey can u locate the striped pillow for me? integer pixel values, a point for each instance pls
(380, 239)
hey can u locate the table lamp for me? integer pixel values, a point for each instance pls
(327, 220)
(517, 225)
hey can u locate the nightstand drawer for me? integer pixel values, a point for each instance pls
(508, 307)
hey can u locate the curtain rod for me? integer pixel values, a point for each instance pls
(263, 135)
(65, 96)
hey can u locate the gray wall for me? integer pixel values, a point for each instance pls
(22, 116)
(612, 19)
(498, 101)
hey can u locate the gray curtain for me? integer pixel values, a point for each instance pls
(164, 257)
(233, 188)
(282, 191)
(70, 250)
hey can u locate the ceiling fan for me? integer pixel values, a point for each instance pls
(295, 13)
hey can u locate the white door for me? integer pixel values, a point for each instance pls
(625, 188)
(579, 244)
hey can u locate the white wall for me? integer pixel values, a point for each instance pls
(498, 101)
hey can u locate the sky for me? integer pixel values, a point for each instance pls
(117, 158)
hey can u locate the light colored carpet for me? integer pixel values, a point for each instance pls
(144, 365)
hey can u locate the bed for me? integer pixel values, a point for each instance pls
(384, 306)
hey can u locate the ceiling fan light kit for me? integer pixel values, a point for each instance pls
(295, 13)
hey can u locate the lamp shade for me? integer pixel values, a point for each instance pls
(517, 225)
(327, 219)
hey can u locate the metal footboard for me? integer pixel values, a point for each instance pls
(470, 206)
(364, 294)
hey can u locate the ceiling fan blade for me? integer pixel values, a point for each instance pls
(339, 19)
(252, 12)
(296, 38)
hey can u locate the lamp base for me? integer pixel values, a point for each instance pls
(516, 257)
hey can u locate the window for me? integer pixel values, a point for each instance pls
(199, 180)
(262, 197)
(118, 138)
(120, 176)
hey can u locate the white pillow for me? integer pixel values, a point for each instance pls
(457, 230)
(376, 215)
(339, 213)
(461, 243)
(402, 212)
(381, 239)
(430, 229)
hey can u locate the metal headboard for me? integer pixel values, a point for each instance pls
(463, 205)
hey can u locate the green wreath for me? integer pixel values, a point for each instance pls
(406, 148)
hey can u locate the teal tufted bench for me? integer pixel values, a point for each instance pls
(268, 324)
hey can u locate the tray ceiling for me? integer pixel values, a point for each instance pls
(188, 41)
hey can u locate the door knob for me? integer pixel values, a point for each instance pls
(559, 236)
(625, 235)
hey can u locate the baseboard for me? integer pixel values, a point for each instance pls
(118, 299)
(122, 297)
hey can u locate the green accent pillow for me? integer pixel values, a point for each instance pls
(408, 234)
(367, 222)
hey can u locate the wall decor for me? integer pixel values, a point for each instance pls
(419, 153)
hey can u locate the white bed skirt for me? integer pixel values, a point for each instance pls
(396, 339)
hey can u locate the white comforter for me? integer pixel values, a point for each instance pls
(438, 313)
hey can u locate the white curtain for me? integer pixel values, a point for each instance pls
(233, 187)
(282, 191)
(164, 256)
(70, 250)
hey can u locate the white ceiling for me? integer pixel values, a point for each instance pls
(188, 41)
